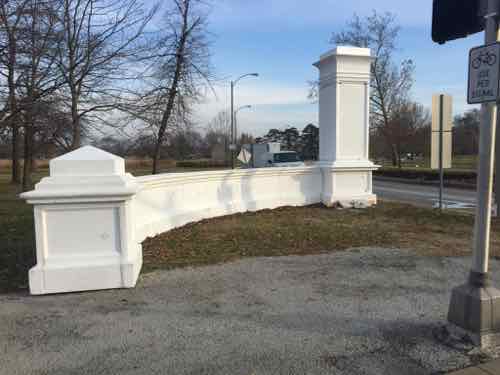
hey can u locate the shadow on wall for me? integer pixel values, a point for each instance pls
(172, 200)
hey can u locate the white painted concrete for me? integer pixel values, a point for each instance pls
(91, 216)
(344, 100)
(172, 200)
(84, 223)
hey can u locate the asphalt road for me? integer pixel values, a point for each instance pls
(367, 311)
(423, 195)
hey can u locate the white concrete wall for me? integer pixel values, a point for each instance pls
(91, 216)
(172, 200)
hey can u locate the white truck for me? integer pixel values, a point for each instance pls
(264, 155)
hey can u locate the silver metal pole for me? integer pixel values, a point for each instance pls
(485, 166)
(232, 125)
(441, 169)
(253, 155)
(496, 184)
(475, 306)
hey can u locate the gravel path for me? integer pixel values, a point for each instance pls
(365, 311)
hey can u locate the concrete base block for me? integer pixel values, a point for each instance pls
(475, 309)
(56, 279)
(482, 340)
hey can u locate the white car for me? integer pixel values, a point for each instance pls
(285, 159)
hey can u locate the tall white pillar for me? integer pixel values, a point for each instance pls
(84, 223)
(344, 103)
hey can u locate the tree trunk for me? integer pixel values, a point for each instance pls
(156, 159)
(75, 119)
(16, 175)
(77, 141)
(394, 156)
(16, 171)
(172, 94)
(28, 156)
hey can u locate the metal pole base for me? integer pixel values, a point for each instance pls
(475, 309)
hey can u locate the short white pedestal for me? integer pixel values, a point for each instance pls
(84, 225)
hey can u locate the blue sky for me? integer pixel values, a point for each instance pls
(280, 39)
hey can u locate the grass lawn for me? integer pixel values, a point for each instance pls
(17, 238)
(285, 231)
(460, 162)
(314, 230)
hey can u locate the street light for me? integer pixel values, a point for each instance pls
(233, 140)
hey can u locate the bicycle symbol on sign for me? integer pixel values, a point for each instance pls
(487, 58)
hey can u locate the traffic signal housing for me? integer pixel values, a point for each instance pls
(454, 19)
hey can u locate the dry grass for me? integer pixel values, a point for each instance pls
(17, 240)
(6, 164)
(285, 231)
(314, 230)
(134, 164)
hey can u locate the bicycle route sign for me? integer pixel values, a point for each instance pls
(484, 66)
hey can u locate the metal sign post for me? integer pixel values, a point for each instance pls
(475, 306)
(441, 169)
(441, 146)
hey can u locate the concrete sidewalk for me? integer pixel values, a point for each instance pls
(490, 368)
(367, 311)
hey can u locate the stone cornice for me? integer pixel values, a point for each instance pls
(349, 166)
(151, 182)
(82, 189)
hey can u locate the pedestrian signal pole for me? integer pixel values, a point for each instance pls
(475, 306)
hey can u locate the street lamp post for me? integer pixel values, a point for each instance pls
(236, 120)
(233, 140)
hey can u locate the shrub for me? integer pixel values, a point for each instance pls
(133, 163)
(426, 174)
(201, 164)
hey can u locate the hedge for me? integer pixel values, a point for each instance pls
(201, 164)
(426, 174)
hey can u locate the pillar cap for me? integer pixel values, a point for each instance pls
(84, 175)
(344, 51)
(87, 161)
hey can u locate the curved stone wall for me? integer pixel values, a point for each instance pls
(91, 216)
(168, 201)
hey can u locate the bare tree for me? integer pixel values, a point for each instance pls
(404, 129)
(218, 132)
(466, 133)
(99, 37)
(180, 69)
(11, 13)
(39, 80)
(220, 125)
(390, 82)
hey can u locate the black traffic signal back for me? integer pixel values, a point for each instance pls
(454, 19)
